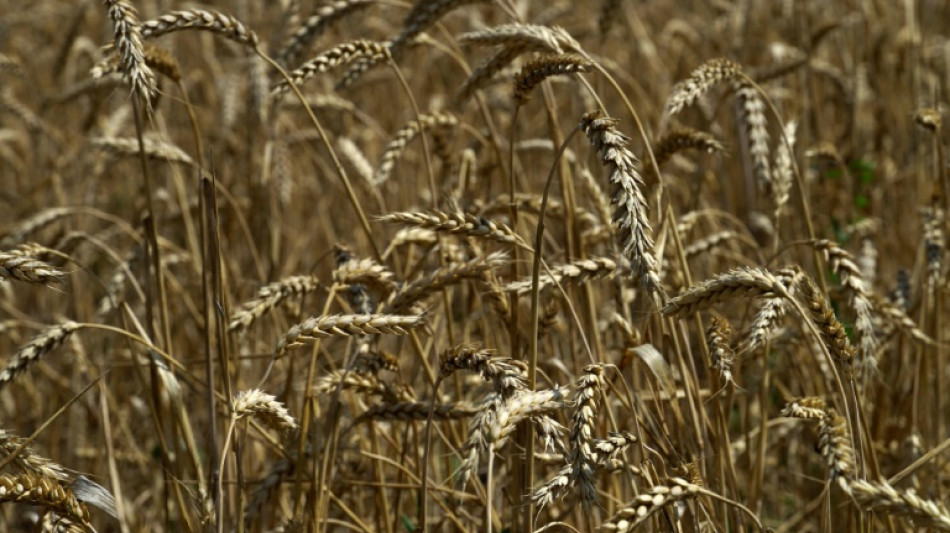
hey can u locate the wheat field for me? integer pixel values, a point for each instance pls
(474, 265)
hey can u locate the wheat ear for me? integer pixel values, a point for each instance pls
(630, 206)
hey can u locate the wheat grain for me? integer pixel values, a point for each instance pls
(44, 492)
(403, 298)
(646, 504)
(809, 408)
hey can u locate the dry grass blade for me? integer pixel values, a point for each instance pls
(269, 297)
(264, 407)
(346, 325)
(738, 283)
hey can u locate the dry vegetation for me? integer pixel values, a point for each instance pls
(474, 265)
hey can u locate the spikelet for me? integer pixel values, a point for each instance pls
(268, 297)
(264, 407)
(455, 223)
(834, 444)
(30, 353)
(44, 492)
(402, 299)
(721, 354)
(128, 40)
(507, 375)
(753, 117)
(316, 24)
(577, 272)
(700, 82)
(630, 206)
(809, 408)
(741, 282)
(399, 140)
(832, 332)
(20, 266)
(315, 328)
(538, 70)
(203, 20)
(337, 56)
(882, 497)
(682, 139)
(646, 504)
